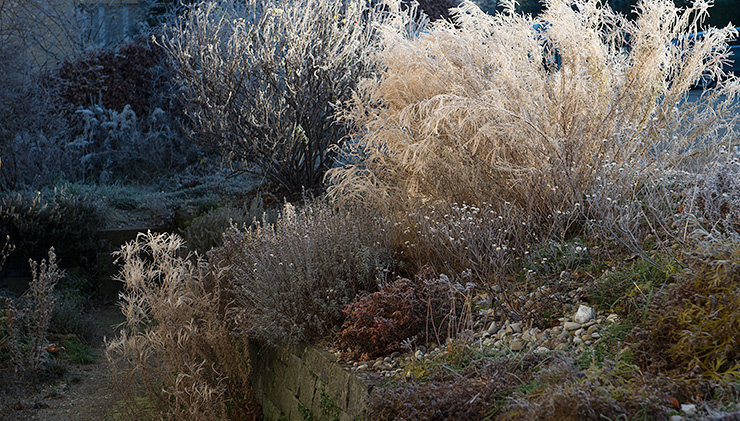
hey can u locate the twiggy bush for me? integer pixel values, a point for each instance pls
(538, 112)
(26, 320)
(713, 203)
(206, 231)
(487, 242)
(175, 346)
(261, 80)
(291, 279)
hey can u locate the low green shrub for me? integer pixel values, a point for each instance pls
(560, 390)
(206, 231)
(694, 323)
(71, 317)
(475, 392)
(77, 352)
(55, 218)
(620, 291)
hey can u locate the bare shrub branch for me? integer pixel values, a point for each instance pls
(262, 80)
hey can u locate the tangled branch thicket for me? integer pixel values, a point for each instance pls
(262, 79)
(571, 117)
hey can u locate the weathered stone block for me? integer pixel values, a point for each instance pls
(291, 380)
(307, 387)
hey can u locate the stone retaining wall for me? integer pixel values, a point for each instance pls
(303, 382)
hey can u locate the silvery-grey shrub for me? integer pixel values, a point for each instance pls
(262, 79)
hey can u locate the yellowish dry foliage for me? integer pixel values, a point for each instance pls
(174, 357)
(540, 112)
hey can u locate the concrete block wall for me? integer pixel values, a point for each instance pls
(303, 382)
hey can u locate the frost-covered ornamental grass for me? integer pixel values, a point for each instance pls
(543, 112)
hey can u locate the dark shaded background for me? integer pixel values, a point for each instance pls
(723, 12)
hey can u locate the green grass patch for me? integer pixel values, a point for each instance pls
(78, 352)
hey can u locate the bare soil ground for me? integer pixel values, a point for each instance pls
(83, 393)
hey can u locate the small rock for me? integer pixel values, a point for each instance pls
(688, 409)
(612, 318)
(498, 344)
(488, 342)
(517, 345)
(561, 347)
(589, 324)
(388, 360)
(529, 336)
(541, 350)
(676, 418)
(422, 348)
(377, 365)
(493, 328)
(418, 354)
(580, 332)
(592, 329)
(571, 325)
(595, 335)
(584, 314)
(577, 340)
(362, 367)
(396, 355)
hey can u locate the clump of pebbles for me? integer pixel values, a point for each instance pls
(578, 332)
(574, 333)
